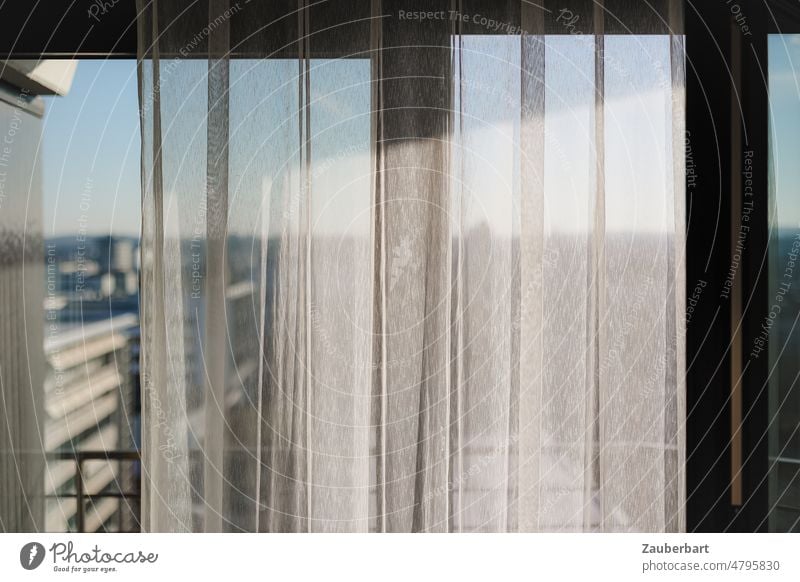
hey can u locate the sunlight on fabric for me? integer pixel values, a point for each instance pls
(414, 275)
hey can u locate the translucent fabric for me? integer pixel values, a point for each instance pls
(412, 266)
(22, 272)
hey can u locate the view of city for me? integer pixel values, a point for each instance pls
(92, 410)
(92, 384)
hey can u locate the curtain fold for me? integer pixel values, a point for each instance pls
(412, 266)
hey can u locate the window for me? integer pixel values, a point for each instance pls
(782, 326)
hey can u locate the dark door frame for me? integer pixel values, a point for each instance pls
(727, 259)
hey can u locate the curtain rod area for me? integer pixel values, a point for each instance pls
(107, 29)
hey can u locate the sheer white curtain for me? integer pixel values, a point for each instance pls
(412, 265)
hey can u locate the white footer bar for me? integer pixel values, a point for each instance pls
(399, 557)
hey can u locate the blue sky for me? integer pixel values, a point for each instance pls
(90, 163)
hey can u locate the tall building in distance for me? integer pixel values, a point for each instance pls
(91, 278)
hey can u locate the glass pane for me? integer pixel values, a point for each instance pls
(90, 401)
(782, 323)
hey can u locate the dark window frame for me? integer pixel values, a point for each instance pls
(727, 389)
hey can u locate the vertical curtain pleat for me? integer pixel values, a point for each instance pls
(675, 304)
(214, 352)
(414, 278)
(166, 479)
(531, 254)
(406, 274)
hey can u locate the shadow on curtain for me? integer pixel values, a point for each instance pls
(412, 266)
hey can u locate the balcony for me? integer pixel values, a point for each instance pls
(99, 495)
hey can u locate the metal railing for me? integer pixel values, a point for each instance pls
(81, 495)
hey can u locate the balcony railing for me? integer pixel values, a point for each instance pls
(81, 495)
